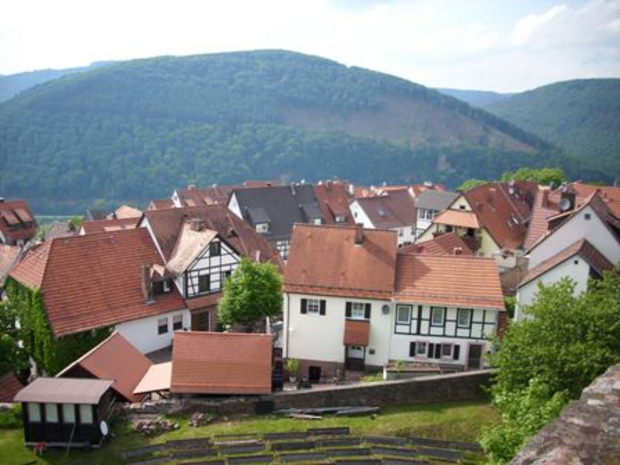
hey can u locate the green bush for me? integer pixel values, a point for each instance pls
(11, 418)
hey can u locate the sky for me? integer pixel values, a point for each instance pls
(499, 45)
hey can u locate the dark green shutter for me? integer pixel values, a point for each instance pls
(367, 312)
(437, 350)
(322, 307)
(431, 350)
(412, 349)
(348, 311)
(457, 352)
(304, 305)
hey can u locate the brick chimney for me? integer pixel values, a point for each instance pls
(359, 234)
(196, 224)
(147, 284)
(458, 251)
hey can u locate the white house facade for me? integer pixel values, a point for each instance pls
(155, 332)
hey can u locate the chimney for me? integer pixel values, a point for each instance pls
(359, 234)
(230, 232)
(257, 256)
(196, 224)
(351, 190)
(293, 191)
(147, 284)
(458, 251)
(191, 186)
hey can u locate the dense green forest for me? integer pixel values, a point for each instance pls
(135, 130)
(581, 116)
(477, 98)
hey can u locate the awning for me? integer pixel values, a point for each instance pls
(156, 379)
(356, 333)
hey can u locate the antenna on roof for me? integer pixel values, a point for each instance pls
(565, 204)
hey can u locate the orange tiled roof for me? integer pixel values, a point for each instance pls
(544, 208)
(583, 248)
(444, 244)
(460, 218)
(609, 194)
(448, 280)
(94, 280)
(221, 363)
(325, 260)
(117, 359)
(333, 199)
(160, 204)
(9, 255)
(356, 333)
(110, 225)
(9, 387)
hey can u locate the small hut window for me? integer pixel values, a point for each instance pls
(34, 412)
(86, 414)
(68, 413)
(51, 413)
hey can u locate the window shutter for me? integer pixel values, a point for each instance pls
(412, 349)
(431, 350)
(304, 305)
(322, 308)
(348, 311)
(437, 350)
(367, 312)
(457, 352)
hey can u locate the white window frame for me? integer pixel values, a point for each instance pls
(317, 221)
(262, 227)
(408, 309)
(83, 409)
(177, 319)
(340, 218)
(314, 306)
(161, 322)
(68, 410)
(418, 346)
(436, 311)
(464, 311)
(450, 347)
(358, 311)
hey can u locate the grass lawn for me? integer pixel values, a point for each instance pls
(456, 421)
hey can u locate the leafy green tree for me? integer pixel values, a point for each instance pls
(543, 176)
(253, 291)
(546, 360)
(470, 184)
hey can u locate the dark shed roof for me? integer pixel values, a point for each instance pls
(64, 391)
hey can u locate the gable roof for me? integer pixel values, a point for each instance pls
(443, 244)
(454, 280)
(582, 248)
(9, 387)
(393, 209)
(114, 359)
(159, 204)
(216, 195)
(189, 245)
(125, 212)
(109, 225)
(9, 255)
(503, 210)
(95, 280)
(460, 218)
(325, 260)
(167, 226)
(64, 391)
(58, 230)
(333, 198)
(221, 363)
(17, 223)
(609, 194)
(437, 200)
(545, 206)
(283, 206)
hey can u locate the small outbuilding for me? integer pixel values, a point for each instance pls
(63, 412)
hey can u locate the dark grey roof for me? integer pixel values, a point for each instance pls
(435, 200)
(258, 215)
(64, 390)
(283, 206)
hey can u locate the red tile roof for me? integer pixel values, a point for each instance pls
(609, 194)
(8, 259)
(460, 218)
(444, 244)
(582, 248)
(393, 209)
(125, 212)
(116, 359)
(325, 260)
(221, 363)
(17, 223)
(99, 226)
(356, 333)
(160, 204)
(454, 280)
(94, 280)
(544, 208)
(333, 199)
(9, 387)
(167, 225)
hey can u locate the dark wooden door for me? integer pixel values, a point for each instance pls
(474, 357)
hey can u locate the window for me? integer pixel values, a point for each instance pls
(262, 227)
(162, 326)
(400, 232)
(68, 413)
(34, 412)
(317, 221)
(403, 314)
(86, 414)
(464, 317)
(446, 350)
(461, 207)
(587, 216)
(215, 248)
(314, 305)
(204, 283)
(224, 276)
(438, 315)
(340, 218)
(51, 413)
(421, 350)
(358, 311)
(177, 322)
(166, 286)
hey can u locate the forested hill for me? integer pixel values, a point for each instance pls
(477, 98)
(135, 130)
(581, 116)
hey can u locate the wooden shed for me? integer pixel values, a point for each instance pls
(62, 412)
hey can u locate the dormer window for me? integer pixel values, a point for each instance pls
(204, 283)
(340, 218)
(215, 249)
(317, 221)
(262, 228)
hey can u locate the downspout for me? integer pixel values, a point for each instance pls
(288, 322)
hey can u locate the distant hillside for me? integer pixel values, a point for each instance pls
(582, 117)
(477, 98)
(135, 130)
(13, 84)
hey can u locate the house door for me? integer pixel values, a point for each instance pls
(474, 357)
(355, 356)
